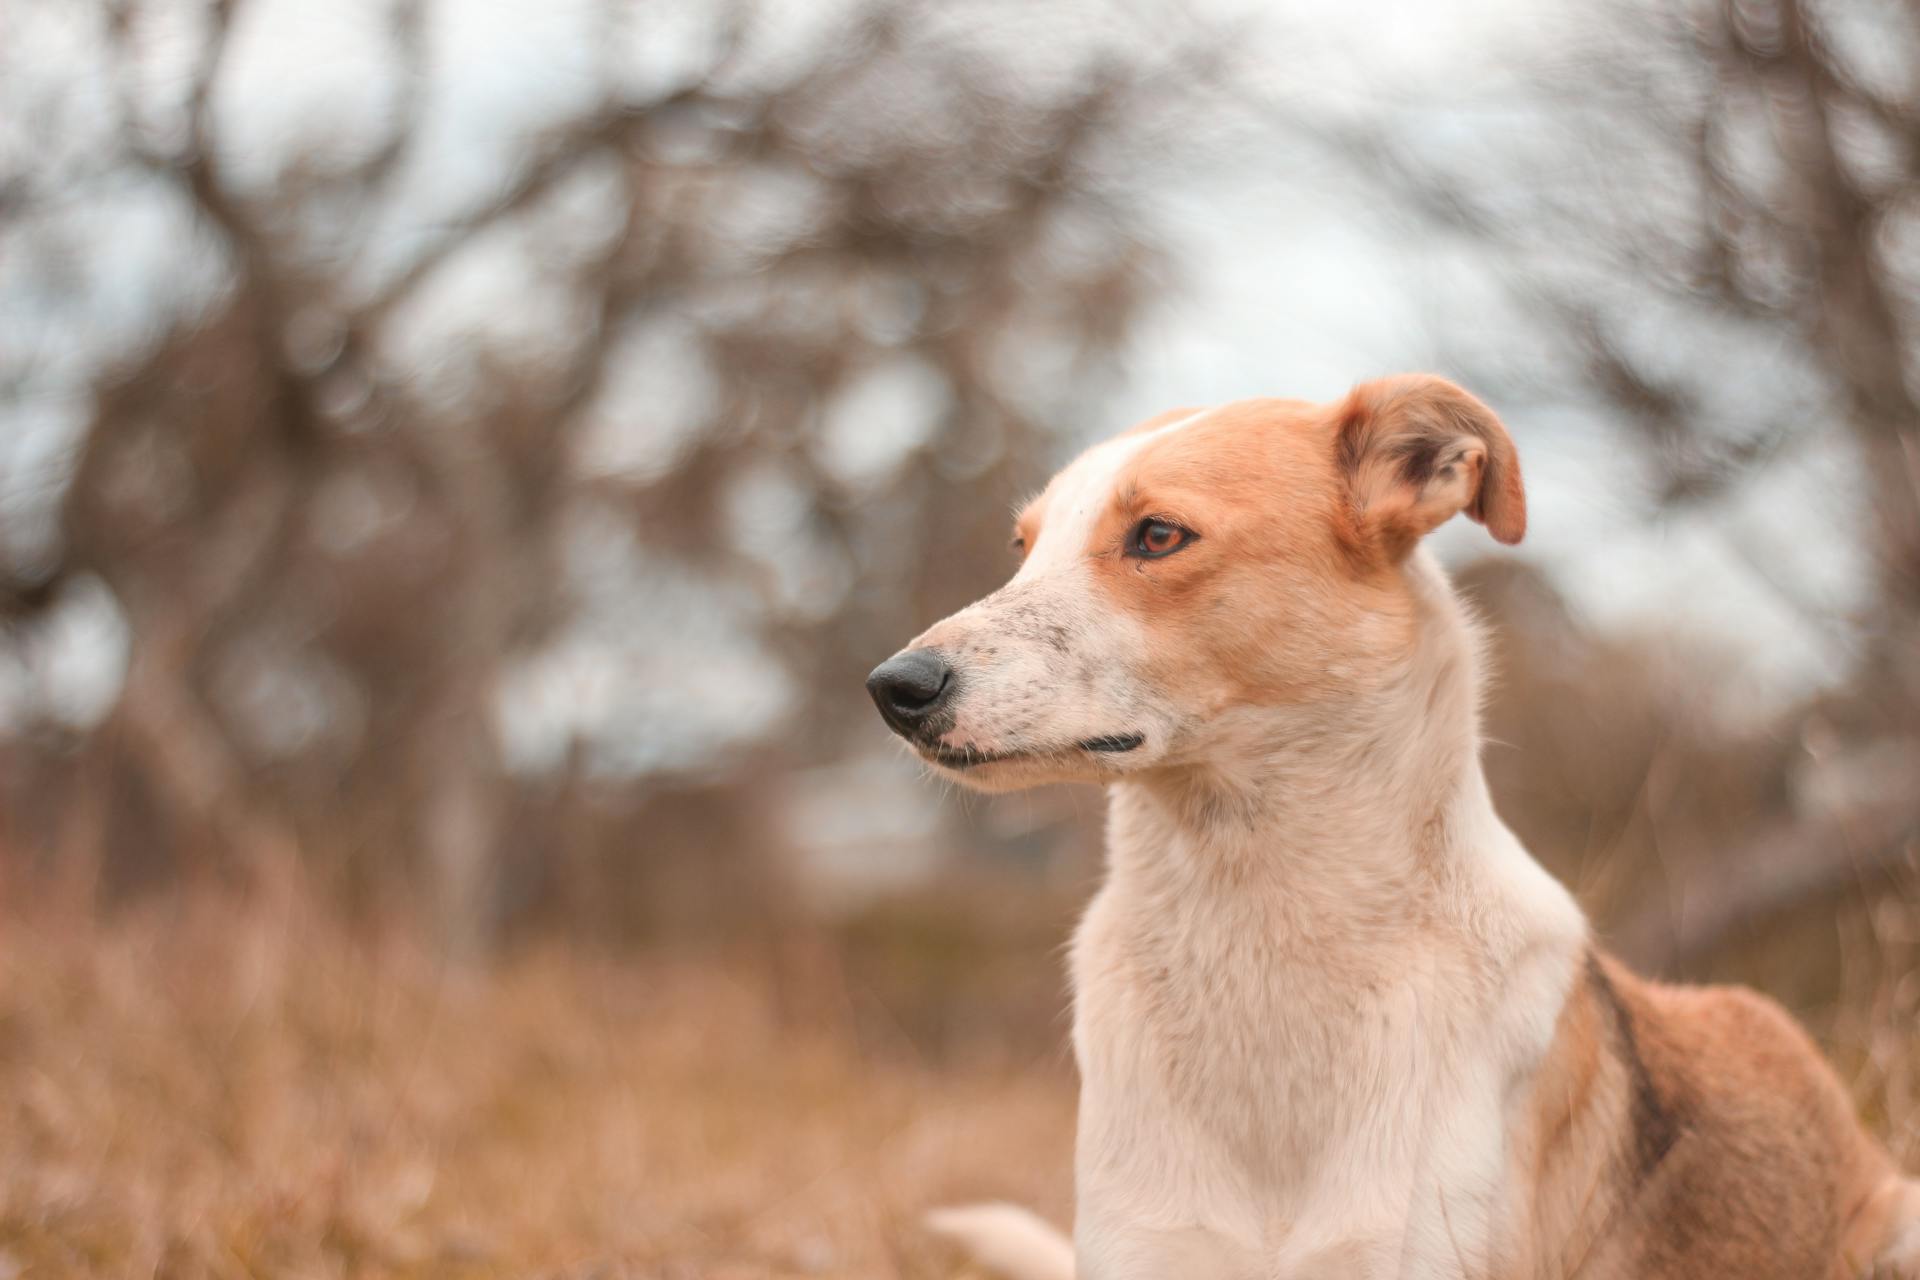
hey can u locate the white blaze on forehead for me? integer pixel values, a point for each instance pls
(1054, 704)
(1082, 493)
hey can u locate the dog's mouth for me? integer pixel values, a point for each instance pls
(971, 758)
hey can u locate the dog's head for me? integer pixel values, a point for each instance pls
(1203, 568)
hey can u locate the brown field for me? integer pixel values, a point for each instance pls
(197, 1090)
(205, 1088)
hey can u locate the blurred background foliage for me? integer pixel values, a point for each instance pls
(462, 462)
(459, 459)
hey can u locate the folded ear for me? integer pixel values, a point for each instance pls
(1415, 450)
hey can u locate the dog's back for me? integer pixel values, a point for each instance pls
(1684, 1132)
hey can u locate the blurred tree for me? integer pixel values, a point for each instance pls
(786, 333)
(1716, 208)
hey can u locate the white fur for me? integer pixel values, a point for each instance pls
(1084, 490)
(1308, 995)
(1023, 700)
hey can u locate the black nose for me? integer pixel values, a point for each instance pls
(910, 689)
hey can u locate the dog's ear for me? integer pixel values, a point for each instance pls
(1415, 450)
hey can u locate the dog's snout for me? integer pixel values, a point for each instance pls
(911, 688)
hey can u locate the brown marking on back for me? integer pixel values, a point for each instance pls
(1677, 1133)
(1652, 1121)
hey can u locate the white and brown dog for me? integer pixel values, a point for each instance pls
(1331, 1019)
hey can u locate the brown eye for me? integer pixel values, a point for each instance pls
(1019, 545)
(1155, 538)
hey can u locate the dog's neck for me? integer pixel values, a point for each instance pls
(1346, 820)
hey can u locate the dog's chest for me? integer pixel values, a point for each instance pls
(1308, 1106)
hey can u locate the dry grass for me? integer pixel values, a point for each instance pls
(203, 1089)
(200, 1090)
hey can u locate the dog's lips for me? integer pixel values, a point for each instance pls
(973, 758)
(966, 757)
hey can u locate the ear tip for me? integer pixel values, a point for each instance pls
(1505, 526)
(1508, 518)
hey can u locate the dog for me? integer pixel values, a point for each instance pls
(1331, 1018)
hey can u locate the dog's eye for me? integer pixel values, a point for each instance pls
(1019, 545)
(1155, 538)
